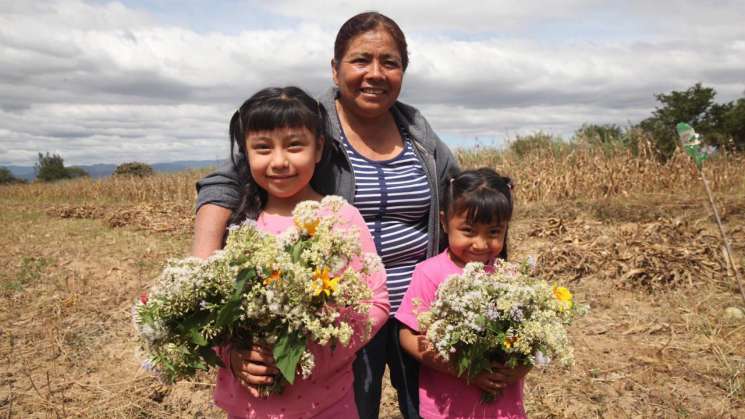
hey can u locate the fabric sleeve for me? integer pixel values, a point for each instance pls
(221, 187)
(380, 305)
(422, 290)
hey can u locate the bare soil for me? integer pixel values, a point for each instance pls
(656, 342)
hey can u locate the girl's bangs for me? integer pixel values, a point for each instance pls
(280, 114)
(488, 208)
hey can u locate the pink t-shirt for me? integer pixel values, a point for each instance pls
(328, 392)
(443, 395)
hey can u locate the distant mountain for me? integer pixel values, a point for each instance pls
(103, 170)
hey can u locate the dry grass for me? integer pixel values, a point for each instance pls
(631, 236)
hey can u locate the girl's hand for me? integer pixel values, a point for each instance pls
(500, 377)
(512, 375)
(490, 382)
(253, 367)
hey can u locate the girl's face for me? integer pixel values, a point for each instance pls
(282, 162)
(473, 242)
(369, 74)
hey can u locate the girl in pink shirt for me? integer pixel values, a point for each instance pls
(281, 133)
(475, 217)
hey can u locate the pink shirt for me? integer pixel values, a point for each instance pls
(443, 395)
(328, 392)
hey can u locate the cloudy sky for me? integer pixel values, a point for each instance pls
(154, 81)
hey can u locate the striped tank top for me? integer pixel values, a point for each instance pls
(394, 197)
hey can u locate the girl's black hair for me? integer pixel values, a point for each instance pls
(269, 109)
(485, 197)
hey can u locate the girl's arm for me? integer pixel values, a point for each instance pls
(380, 305)
(418, 346)
(209, 229)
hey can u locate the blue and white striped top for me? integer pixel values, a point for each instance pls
(394, 197)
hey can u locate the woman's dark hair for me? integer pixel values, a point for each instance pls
(366, 22)
(484, 196)
(269, 109)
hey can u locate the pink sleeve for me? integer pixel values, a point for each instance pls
(380, 307)
(420, 288)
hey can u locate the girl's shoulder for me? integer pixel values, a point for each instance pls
(345, 210)
(436, 268)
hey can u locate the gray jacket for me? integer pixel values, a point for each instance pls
(222, 187)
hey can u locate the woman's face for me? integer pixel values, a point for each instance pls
(369, 74)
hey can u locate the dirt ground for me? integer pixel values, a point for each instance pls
(656, 342)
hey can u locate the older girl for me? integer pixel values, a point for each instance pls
(393, 169)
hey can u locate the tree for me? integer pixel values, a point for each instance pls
(695, 106)
(134, 169)
(734, 124)
(50, 168)
(6, 177)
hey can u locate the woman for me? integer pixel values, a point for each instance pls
(391, 166)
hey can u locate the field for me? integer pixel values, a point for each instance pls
(632, 237)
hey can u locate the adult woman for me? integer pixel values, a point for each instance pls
(393, 168)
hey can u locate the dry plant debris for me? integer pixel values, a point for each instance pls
(165, 217)
(662, 254)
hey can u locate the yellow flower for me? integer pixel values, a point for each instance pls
(324, 284)
(563, 295)
(309, 226)
(509, 341)
(275, 276)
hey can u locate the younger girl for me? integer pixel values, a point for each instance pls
(475, 217)
(281, 131)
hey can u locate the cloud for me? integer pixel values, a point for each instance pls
(110, 82)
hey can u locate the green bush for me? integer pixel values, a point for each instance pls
(134, 169)
(6, 177)
(539, 142)
(51, 168)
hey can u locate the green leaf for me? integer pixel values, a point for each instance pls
(227, 313)
(197, 337)
(287, 352)
(297, 249)
(192, 325)
(210, 357)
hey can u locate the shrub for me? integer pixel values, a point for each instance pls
(6, 177)
(540, 142)
(50, 168)
(134, 169)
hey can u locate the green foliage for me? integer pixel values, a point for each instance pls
(287, 352)
(133, 169)
(536, 142)
(75, 172)
(722, 125)
(734, 124)
(600, 134)
(6, 177)
(51, 168)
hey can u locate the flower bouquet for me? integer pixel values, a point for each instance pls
(307, 284)
(504, 316)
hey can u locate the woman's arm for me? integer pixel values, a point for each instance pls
(209, 230)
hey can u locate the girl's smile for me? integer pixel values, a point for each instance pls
(282, 162)
(473, 242)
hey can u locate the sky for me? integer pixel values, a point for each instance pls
(157, 81)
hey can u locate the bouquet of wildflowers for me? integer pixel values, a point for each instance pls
(307, 284)
(504, 316)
